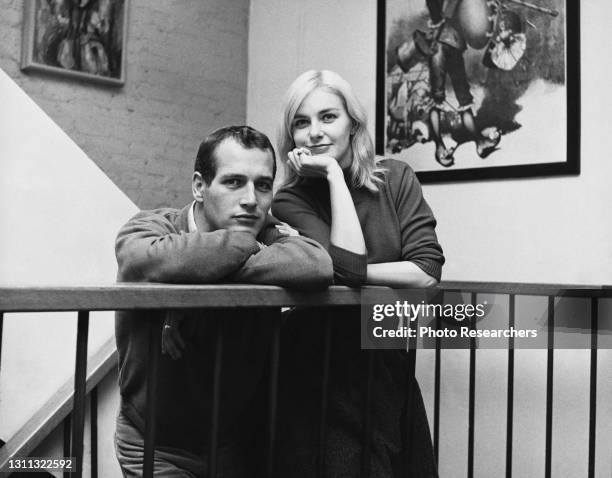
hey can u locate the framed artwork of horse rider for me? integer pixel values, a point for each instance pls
(479, 89)
(81, 39)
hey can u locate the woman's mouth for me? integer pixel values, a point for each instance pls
(318, 148)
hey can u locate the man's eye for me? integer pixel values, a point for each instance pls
(232, 182)
(264, 186)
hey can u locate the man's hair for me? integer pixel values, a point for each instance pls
(247, 137)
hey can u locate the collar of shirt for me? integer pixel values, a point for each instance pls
(191, 224)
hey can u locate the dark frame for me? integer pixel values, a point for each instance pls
(571, 165)
(43, 28)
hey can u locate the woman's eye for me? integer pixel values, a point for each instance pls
(300, 123)
(328, 117)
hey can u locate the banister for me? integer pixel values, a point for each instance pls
(167, 296)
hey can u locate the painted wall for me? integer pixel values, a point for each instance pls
(553, 230)
(61, 214)
(77, 159)
(186, 75)
(529, 230)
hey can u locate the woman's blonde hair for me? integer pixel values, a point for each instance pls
(364, 170)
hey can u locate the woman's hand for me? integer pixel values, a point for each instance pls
(305, 164)
(401, 274)
(286, 230)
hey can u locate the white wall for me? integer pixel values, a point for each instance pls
(553, 230)
(61, 214)
(186, 75)
(528, 230)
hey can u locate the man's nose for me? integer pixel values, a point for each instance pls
(249, 198)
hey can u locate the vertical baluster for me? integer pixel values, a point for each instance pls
(410, 393)
(549, 386)
(367, 416)
(327, 336)
(472, 396)
(216, 402)
(593, 386)
(273, 390)
(80, 376)
(510, 396)
(436, 419)
(93, 415)
(1, 326)
(67, 425)
(150, 422)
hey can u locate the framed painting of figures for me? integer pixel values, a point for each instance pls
(479, 89)
(84, 40)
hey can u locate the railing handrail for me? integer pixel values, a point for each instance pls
(168, 296)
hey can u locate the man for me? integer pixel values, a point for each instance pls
(224, 235)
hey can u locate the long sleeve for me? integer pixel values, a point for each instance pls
(291, 207)
(419, 243)
(293, 262)
(149, 248)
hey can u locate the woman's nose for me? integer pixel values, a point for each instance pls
(315, 129)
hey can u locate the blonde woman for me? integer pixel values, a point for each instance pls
(372, 218)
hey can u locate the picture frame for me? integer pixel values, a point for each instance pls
(519, 113)
(82, 40)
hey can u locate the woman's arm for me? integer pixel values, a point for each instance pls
(345, 229)
(421, 254)
(341, 232)
(403, 274)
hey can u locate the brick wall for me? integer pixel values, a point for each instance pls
(186, 74)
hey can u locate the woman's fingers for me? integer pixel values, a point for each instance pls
(304, 163)
(292, 161)
(286, 230)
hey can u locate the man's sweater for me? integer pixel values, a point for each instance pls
(155, 246)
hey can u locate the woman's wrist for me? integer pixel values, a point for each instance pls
(334, 172)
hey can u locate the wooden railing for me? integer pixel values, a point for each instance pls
(84, 299)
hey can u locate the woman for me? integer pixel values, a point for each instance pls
(371, 217)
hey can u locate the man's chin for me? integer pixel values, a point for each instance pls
(253, 230)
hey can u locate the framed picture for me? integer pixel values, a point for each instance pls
(81, 39)
(479, 89)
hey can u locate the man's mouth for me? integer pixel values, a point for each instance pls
(246, 217)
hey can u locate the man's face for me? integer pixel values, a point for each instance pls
(239, 196)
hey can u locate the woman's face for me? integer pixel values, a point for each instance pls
(323, 125)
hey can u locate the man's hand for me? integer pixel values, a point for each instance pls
(172, 341)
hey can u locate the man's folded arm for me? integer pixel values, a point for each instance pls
(149, 249)
(290, 261)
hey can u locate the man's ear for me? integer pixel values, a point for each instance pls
(198, 187)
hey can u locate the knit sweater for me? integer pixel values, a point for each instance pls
(397, 225)
(154, 246)
(397, 222)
